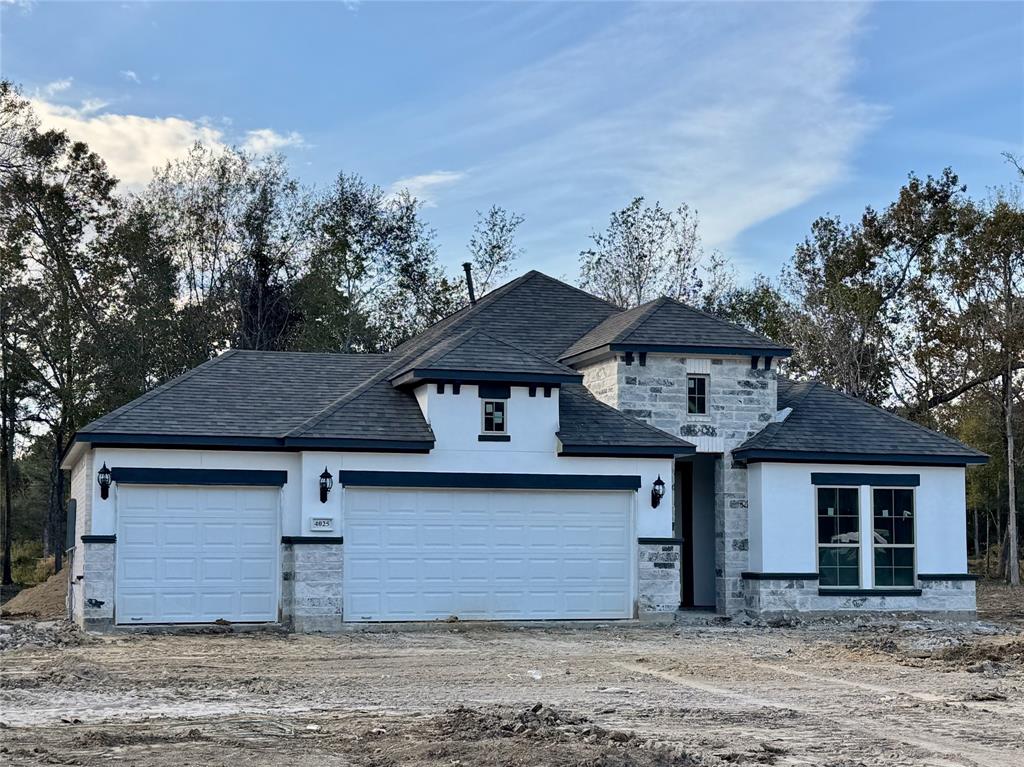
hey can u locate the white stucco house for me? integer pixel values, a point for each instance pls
(538, 455)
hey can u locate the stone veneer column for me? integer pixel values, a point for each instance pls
(312, 598)
(98, 584)
(658, 587)
(741, 402)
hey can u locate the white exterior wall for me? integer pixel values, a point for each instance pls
(783, 522)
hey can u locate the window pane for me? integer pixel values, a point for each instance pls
(828, 577)
(882, 502)
(903, 503)
(883, 556)
(848, 503)
(903, 531)
(826, 502)
(827, 527)
(849, 576)
(903, 576)
(883, 530)
(826, 558)
(883, 576)
(847, 557)
(903, 557)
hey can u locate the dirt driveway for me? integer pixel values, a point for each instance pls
(859, 694)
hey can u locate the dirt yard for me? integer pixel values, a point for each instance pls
(707, 693)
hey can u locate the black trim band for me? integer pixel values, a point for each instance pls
(751, 576)
(208, 442)
(610, 451)
(494, 391)
(430, 375)
(149, 476)
(494, 438)
(869, 592)
(99, 539)
(322, 539)
(457, 480)
(754, 455)
(947, 577)
(856, 478)
(660, 541)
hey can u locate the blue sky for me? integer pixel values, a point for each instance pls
(762, 116)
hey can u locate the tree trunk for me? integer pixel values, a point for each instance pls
(56, 518)
(1011, 490)
(977, 540)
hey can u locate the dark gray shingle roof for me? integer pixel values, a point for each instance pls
(666, 322)
(824, 421)
(586, 422)
(476, 351)
(269, 394)
(534, 312)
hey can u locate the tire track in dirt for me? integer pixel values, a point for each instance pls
(951, 754)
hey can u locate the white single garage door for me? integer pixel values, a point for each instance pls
(190, 554)
(487, 555)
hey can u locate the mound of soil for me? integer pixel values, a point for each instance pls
(47, 601)
(41, 634)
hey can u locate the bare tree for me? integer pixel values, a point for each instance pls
(492, 247)
(646, 252)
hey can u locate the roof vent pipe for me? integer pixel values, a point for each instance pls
(469, 282)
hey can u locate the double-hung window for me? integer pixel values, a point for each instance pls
(494, 420)
(893, 536)
(838, 537)
(697, 395)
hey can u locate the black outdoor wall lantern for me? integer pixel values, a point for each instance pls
(657, 492)
(326, 483)
(103, 478)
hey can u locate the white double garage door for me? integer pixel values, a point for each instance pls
(197, 554)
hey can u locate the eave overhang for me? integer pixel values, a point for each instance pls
(625, 451)
(288, 444)
(713, 351)
(755, 455)
(418, 376)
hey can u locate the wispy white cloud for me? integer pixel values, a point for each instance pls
(426, 186)
(57, 86)
(265, 141)
(741, 111)
(130, 76)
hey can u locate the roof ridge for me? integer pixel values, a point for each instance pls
(473, 308)
(586, 393)
(574, 287)
(337, 404)
(811, 385)
(527, 352)
(642, 317)
(164, 387)
(711, 316)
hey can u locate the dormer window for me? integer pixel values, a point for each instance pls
(495, 419)
(697, 395)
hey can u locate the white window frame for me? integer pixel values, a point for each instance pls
(818, 545)
(504, 416)
(912, 546)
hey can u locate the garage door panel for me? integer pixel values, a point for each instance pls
(137, 571)
(513, 555)
(188, 555)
